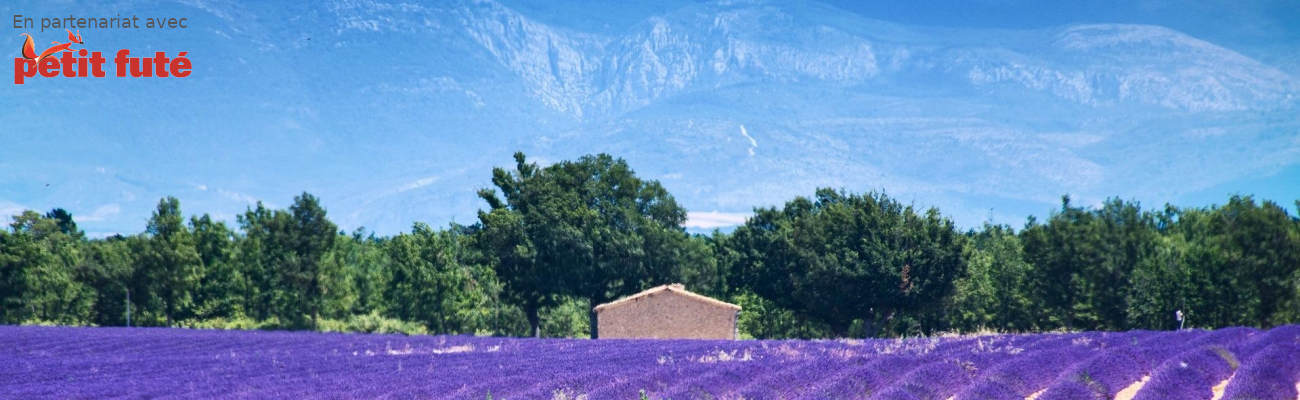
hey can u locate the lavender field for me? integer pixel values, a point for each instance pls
(62, 362)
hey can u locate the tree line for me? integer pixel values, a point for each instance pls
(554, 241)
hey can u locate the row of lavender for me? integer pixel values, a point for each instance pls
(57, 362)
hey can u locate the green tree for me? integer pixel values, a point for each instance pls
(260, 250)
(700, 268)
(39, 274)
(218, 291)
(65, 222)
(761, 318)
(309, 237)
(590, 224)
(363, 264)
(1161, 285)
(112, 264)
(1083, 260)
(429, 284)
(1243, 258)
(841, 258)
(995, 292)
(285, 259)
(504, 241)
(170, 267)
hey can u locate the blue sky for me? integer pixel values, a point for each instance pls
(394, 113)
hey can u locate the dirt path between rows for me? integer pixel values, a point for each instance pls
(1131, 390)
(1218, 389)
(1035, 394)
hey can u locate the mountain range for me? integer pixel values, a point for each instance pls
(395, 112)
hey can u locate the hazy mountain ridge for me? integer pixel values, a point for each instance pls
(731, 104)
(707, 46)
(703, 47)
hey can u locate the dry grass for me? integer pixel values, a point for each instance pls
(984, 331)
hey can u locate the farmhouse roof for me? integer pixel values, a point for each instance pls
(674, 288)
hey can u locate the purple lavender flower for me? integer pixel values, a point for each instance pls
(1270, 374)
(62, 362)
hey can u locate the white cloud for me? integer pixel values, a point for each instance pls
(236, 196)
(202, 188)
(101, 213)
(9, 209)
(433, 87)
(753, 144)
(418, 183)
(210, 8)
(714, 219)
(221, 216)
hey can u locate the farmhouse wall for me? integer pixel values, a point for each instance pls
(665, 314)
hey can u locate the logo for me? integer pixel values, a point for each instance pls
(82, 63)
(29, 46)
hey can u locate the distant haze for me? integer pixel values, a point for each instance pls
(394, 113)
